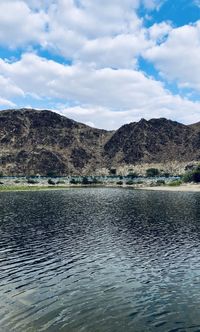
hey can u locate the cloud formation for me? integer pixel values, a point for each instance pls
(89, 59)
(178, 57)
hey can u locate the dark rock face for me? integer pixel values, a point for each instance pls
(43, 142)
(156, 140)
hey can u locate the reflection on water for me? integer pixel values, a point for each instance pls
(99, 260)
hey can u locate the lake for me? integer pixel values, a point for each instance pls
(99, 260)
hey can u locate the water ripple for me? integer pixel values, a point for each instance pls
(99, 260)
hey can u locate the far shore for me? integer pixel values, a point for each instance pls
(181, 188)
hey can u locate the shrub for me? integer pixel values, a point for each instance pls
(193, 176)
(31, 181)
(160, 182)
(113, 171)
(129, 183)
(196, 176)
(187, 177)
(51, 182)
(152, 172)
(140, 182)
(175, 183)
(73, 181)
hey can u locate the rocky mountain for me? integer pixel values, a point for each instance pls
(43, 142)
(156, 140)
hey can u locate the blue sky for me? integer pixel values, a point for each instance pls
(102, 62)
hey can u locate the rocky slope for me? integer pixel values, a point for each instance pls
(43, 142)
(156, 140)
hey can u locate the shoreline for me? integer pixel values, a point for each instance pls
(180, 188)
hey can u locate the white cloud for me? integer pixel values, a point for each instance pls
(105, 97)
(159, 31)
(99, 32)
(118, 52)
(8, 88)
(178, 57)
(19, 25)
(153, 4)
(85, 31)
(104, 40)
(6, 103)
(95, 30)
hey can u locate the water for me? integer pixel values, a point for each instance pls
(99, 260)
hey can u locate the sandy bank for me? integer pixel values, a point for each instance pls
(183, 187)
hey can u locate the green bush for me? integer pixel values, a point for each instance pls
(113, 171)
(160, 182)
(196, 176)
(32, 181)
(51, 182)
(129, 183)
(74, 181)
(175, 183)
(152, 172)
(193, 176)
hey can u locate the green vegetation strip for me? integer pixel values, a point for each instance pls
(31, 188)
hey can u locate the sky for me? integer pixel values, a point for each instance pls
(102, 62)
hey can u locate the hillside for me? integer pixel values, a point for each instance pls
(44, 142)
(156, 140)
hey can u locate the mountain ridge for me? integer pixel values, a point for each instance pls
(41, 142)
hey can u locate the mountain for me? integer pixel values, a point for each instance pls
(44, 142)
(195, 126)
(156, 140)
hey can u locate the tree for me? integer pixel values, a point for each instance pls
(193, 176)
(113, 171)
(152, 172)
